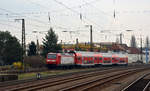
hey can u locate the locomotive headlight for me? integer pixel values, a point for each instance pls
(48, 60)
(51, 60)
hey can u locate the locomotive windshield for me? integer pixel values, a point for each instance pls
(51, 56)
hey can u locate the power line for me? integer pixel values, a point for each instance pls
(98, 9)
(114, 13)
(39, 21)
(7, 11)
(26, 24)
(73, 11)
(10, 25)
(36, 4)
(42, 6)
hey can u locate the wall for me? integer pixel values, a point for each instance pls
(135, 57)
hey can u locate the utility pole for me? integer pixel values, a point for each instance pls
(91, 39)
(38, 47)
(120, 38)
(141, 49)
(23, 39)
(77, 44)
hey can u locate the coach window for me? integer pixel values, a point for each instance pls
(100, 58)
(117, 58)
(95, 58)
(79, 58)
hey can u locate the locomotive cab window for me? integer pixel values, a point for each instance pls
(79, 58)
(113, 58)
(51, 56)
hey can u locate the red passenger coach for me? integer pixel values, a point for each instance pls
(85, 59)
(98, 59)
(78, 59)
(115, 59)
(107, 59)
(123, 60)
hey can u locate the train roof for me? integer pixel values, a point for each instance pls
(84, 53)
(87, 53)
(120, 55)
(106, 54)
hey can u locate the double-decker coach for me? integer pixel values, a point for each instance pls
(98, 59)
(115, 59)
(85, 58)
(107, 59)
(123, 59)
(88, 58)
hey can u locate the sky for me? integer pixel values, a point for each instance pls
(73, 16)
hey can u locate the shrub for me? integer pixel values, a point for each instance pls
(17, 65)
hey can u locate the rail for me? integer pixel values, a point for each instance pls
(141, 84)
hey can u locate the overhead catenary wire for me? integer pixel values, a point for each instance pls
(39, 21)
(53, 11)
(75, 12)
(36, 20)
(81, 16)
(10, 25)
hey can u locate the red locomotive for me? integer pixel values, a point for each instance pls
(85, 59)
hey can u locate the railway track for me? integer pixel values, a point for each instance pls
(56, 81)
(141, 84)
(81, 81)
(93, 84)
(16, 82)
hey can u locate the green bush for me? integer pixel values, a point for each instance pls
(17, 65)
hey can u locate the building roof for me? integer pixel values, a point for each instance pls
(133, 50)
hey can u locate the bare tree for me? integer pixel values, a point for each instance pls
(133, 41)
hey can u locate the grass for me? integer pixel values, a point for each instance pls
(7, 67)
(50, 72)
